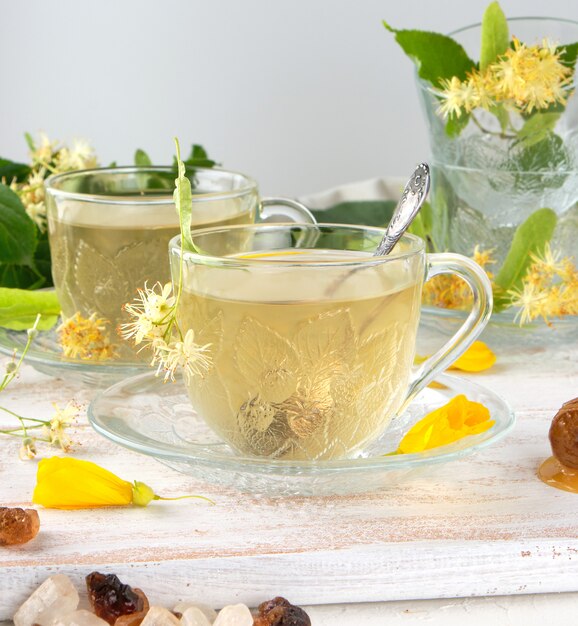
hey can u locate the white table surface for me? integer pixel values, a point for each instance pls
(533, 378)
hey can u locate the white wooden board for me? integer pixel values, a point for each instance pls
(480, 526)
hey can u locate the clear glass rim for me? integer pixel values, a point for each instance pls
(530, 18)
(417, 246)
(53, 183)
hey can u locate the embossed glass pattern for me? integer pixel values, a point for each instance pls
(308, 359)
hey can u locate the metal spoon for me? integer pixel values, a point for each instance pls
(413, 197)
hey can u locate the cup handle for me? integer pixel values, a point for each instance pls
(481, 287)
(292, 211)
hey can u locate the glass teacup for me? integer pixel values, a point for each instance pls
(311, 339)
(109, 230)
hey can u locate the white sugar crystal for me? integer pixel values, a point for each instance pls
(158, 616)
(209, 613)
(56, 596)
(234, 615)
(79, 618)
(193, 616)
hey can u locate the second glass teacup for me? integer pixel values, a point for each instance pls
(311, 339)
(109, 230)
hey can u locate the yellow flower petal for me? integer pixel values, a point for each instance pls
(476, 358)
(66, 483)
(455, 420)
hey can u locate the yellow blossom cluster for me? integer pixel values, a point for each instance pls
(525, 78)
(48, 157)
(85, 338)
(550, 288)
(448, 291)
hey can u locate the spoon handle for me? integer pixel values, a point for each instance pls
(409, 204)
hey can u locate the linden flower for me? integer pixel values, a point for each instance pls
(532, 77)
(41, 153)
(32, 196)
(85, 338)
(455, 420)
(81, 156)
(151, 311)
(62, 419)
(66, 483)
(463, 96)
(187, 354)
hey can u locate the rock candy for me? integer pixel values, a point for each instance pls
(193, 616)
(79, 618)
(234, 615)
(56, 596)
(18, 526)
(209, 613)
(158, 616)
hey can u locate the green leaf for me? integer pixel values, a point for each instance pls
(495, 35)
(10, 170)
(537, 128)
(141, 158)
(455, 124)
(545, 162)
(19, 308)
(530, 238)
(183, 198)
(365, 212)
(198, 157)
(20, 276)
(42, 259)
(17, 230)
(568, 54)
(30, 141)
(436, 56)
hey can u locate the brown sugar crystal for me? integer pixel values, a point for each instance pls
(18, 526)
(280, 612)
(110, 598)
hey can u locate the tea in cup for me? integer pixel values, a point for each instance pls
(311, 339)
(109, 231)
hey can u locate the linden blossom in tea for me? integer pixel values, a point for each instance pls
(307, 359)
(109, 231)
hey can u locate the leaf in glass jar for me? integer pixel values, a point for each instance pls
(530, 237)
(455, 124)
(495, 35)
(436, 56)
(543, 164)
(568, 54)
(537, 128)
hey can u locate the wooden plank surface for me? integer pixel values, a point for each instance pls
(481, 526)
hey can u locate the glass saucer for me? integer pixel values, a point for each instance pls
(503, 330)
(153, 418)
(45, 355)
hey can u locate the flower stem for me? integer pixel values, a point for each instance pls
(502, 135)
(183, 497)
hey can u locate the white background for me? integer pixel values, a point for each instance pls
(301, 94)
